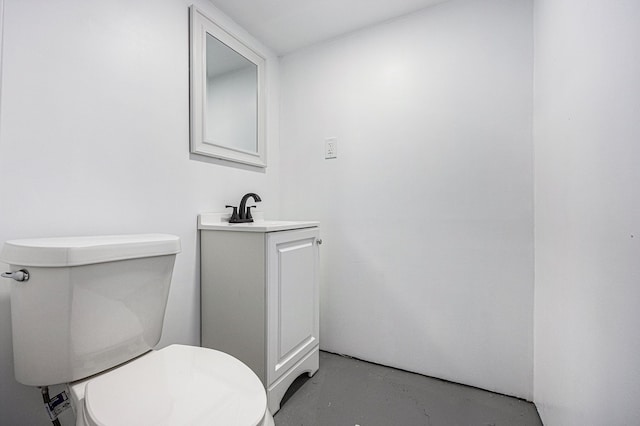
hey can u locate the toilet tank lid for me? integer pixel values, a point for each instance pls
(75, 251)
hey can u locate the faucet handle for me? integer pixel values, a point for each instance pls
(234, 216)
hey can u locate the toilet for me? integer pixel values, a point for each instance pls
(88, 311)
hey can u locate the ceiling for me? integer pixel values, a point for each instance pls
(288, 25)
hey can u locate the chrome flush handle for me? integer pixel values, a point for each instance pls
(21, 275)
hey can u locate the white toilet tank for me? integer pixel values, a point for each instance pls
(90, 303)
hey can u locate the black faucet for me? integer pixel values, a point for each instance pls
(244, 215)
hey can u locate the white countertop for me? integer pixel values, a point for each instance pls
(220, 222)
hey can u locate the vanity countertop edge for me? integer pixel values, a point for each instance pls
(220, 222)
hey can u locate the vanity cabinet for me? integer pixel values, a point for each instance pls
(259, 298)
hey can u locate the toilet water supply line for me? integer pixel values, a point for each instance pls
(48, 405)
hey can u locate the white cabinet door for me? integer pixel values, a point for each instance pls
(292, 298)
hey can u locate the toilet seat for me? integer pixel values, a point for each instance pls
(177, 385)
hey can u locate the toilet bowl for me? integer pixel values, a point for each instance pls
(177, 385)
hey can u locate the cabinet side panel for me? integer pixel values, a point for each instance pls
(233, 295)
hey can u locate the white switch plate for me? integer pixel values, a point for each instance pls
(331, 148)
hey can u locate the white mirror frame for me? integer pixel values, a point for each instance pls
(200, 26)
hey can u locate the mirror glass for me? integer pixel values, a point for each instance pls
(227, 94)
(232, 97)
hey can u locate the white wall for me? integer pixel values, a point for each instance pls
(587, 133)
(427, 212)
(94, 140)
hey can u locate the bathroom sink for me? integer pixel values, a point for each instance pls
(220, 222)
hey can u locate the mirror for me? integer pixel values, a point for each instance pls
(227, 94)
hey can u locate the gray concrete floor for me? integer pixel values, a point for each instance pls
(347, 391)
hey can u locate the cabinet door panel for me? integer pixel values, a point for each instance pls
(292, 297)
